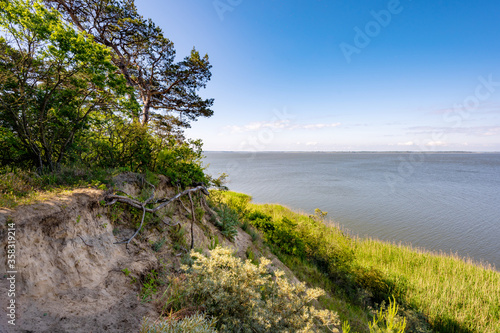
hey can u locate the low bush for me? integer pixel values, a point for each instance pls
(245, 297)
(197, 323)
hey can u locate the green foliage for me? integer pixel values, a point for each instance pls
(454, 295)
(147, 58)
(319, 214)
(374, 281)
(246, 226)
(213, 243)
(178, 238)
(64, 103)
(247, 298)
(197, 323)
(387, 321)
(282, 232)
(346, 328)
(150, 285)
(251, 256)
(156, 246)
(228, 221)
(74, 79)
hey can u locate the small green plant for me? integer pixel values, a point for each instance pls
(214, 242)
(126, 271)
(198, 323)
(251, 256)
(319, 214)
(156, 246)
(199, 212)
(387, 320)
(346, 328)
(116, 231)
(228, 221)
(178, 239)
(104, 225)
(150, 286)
(78, 218)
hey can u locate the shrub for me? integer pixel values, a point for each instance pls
(228, 221)
(247, 298)
(197, 323)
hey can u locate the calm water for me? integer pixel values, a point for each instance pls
(442, 202)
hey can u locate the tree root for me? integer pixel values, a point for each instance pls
(84, 242)
(112, 199)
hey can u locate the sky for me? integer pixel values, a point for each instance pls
(339, 75)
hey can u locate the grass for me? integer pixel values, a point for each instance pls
(441, 292)
(456, 295)
(22, 187)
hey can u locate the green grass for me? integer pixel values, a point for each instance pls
(22, 187)
(455, 294)
(441, 292)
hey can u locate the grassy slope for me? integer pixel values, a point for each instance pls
(453, 295)
(456, 295)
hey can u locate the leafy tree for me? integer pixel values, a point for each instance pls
(52, 80)
(146, 58)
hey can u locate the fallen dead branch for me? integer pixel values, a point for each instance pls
(112, 199)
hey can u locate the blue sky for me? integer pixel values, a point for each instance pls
(326, 75)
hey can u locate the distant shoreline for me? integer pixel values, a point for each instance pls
(350, 152)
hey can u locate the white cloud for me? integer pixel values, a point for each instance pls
(256, 126)
(319, 126)
(492, 131)
(312, 143)
(436, 144)
(472, 130)
(409, 143)
(278, 125)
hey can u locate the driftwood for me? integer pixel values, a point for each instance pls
(112, 199)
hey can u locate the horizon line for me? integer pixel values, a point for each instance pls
(356, 151)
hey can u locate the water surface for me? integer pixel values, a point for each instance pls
(442, 202)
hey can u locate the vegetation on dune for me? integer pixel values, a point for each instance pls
(436, 292)
(246, 297)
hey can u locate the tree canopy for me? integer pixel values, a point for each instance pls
(52, 79)
(146, 58)
(92, 83)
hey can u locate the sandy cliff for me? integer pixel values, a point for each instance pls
(70, 276)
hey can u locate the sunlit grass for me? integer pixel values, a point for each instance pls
(455, 294)
(24, 187)
(452, 294)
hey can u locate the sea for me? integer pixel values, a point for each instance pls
(441, 202)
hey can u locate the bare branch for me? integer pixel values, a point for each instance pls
(127, 241)
(113, 198)
(193, 219)
(84, 241)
